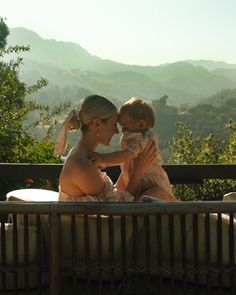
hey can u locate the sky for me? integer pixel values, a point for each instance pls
(142, 32)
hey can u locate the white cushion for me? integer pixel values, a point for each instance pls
(33, 195)
(230, 197)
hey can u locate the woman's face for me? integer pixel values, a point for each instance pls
(107, 129)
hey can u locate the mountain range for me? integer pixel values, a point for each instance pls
(67, 64)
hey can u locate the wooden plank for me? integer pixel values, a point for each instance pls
(26, 170)
(189, 173)
(194, 173)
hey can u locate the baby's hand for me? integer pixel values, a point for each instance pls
(96, 158)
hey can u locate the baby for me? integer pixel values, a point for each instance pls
(136, 118)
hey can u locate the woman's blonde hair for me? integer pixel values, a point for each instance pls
(90, 108)
(139, 109)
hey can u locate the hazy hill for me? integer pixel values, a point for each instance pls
(229, 74)
(225, 97)
(65, 55)
(68, 64)
(211, 65)
(194, 79)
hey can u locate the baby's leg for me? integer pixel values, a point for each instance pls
(160, 194)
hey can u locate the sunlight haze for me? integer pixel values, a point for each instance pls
(149, 32)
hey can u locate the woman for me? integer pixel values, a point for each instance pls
(80, 179)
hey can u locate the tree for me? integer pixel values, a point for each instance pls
(3, 34)
(184, 146)
(187, 148)
(166, 117)
(17, 110)
(229, 153)
(16, 107)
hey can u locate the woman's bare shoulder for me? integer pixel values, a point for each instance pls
(77, 163)
(84, 174)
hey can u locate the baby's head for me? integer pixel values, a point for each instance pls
(136, 115)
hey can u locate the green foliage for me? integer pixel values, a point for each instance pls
(184, 145)
(203, 119)
(166, 117)
(229, 153)
(187, 148)
(19, 115)
(3, 34)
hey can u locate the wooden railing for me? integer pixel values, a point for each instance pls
(189, 173)
(102, 248)
(157, 247)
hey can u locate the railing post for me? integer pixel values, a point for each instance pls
(53, 250)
